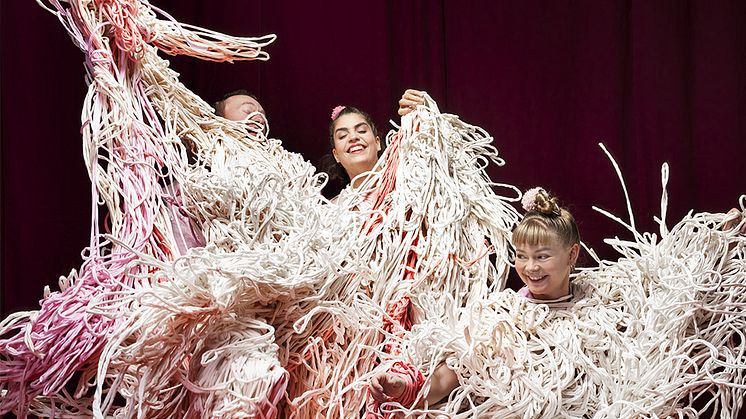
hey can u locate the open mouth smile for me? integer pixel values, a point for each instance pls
(357, 148)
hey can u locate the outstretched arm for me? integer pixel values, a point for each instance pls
(442, 383)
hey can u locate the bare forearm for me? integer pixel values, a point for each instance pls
(442, 383)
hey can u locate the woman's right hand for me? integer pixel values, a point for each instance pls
(387, 386)
(410, 100)
(735, 218)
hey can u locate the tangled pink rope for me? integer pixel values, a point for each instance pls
(42, 351)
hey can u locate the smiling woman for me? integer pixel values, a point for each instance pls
(547, 244)
(355, 145)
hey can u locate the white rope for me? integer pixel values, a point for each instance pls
(643, 337)
(292, 291)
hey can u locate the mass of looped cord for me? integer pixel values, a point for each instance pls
(181, 353)
(285, 282)
(134, 25)
(268, 245)
(126, 149)
(128, 30)
(63, 337)
(331, 380)
(658, 333)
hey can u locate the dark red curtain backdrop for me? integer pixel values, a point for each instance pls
(661, 81)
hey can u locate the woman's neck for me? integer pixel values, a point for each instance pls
(357, 181)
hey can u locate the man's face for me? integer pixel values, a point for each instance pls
(239, 107)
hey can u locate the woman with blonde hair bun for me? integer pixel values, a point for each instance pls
(547, 244)
(658, 333)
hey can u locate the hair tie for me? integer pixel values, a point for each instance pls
(529, 198)
(336, 111)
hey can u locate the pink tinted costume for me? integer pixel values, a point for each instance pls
(187, 233)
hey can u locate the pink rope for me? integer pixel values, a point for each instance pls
(397, 321)
(128, 30)
(40, 352)
(413, 380)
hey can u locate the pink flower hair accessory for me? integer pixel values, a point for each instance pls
(529, 198)
(336, 111)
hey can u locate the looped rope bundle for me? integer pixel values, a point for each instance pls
(659, 333)
(420, 231)
(147, 330)
(126, 150)
(290, 292)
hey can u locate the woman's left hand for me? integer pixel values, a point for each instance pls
(410, 100)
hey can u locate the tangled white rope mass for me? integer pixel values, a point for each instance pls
(293, 302)
(182, 334)
(659, 333)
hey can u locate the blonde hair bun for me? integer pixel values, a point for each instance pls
(539, 200)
